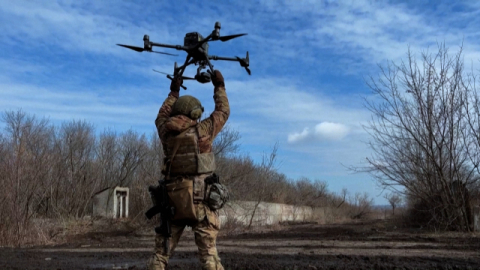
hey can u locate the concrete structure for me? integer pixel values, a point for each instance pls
(270, 213)
(111, 202)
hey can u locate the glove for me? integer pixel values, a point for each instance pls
(176, 83)
(217, 79)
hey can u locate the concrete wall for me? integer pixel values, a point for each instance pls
(273, 213)
(270, 213)
(101, 204)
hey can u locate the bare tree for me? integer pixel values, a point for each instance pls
(394, 200)
(132, 151)
(360, 205)
(148, 173)
(312, 194)
(343, 197)
(26, 163)
(226, 143)
(107, 158)
(418, 130)
(76, 180)
(238, 174)
(265, 175)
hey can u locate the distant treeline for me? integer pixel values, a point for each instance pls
(51, 172)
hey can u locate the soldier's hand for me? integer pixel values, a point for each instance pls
(217, 79)
(176, 83)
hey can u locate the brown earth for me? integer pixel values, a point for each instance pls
(367, 245)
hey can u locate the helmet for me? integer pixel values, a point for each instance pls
(188, 106)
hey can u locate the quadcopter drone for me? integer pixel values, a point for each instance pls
(196, 47)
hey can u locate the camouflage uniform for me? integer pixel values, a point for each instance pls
(207, 227)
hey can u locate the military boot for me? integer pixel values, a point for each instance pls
(157, 262)
(211, 263)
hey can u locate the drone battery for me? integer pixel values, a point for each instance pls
(192, 39)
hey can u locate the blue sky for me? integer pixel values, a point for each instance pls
(309, 61)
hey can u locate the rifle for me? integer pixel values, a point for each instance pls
(161, 206)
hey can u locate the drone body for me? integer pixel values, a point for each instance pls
(191, 40)
(196, 47)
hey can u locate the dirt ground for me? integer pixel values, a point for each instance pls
(367, 245)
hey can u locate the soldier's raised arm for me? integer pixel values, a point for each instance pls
(166, 109)
(211, 126)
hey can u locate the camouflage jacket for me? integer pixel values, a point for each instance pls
(207, 129)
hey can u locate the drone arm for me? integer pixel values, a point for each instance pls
(178, 47)
(244, 62)
(214, 57)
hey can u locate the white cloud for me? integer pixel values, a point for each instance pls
(283, 101)
(295, 137)
(331, 131)
(322, 131)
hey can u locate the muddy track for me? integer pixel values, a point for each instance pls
(348, 246)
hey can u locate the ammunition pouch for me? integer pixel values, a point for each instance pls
(199, 189)
(206, 163)
(185, 193)
(180, 195)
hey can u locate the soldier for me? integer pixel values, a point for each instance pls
(188, 164)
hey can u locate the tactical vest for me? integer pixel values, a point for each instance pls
(183, 156)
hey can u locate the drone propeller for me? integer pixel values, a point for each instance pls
(225, 38)
(245, 62)
(140, 49)
(164, 53)
(183, 77)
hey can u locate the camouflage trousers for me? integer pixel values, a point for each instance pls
(205, 230)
